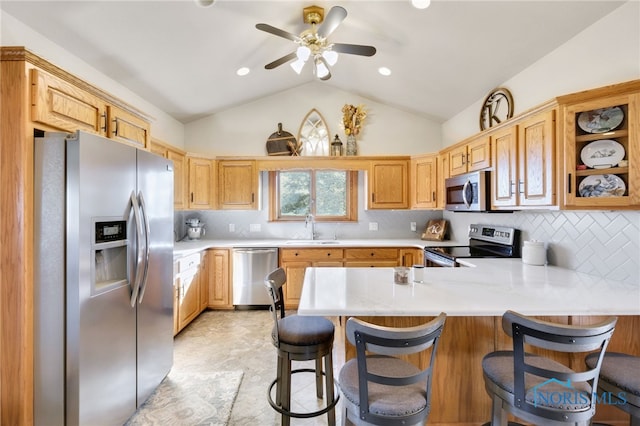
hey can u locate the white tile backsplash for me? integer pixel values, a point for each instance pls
(605, 244)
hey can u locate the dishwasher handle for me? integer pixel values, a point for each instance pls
(255, 251)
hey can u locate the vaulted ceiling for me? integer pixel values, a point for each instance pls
(183, 57)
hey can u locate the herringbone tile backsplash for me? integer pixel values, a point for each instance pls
(605, 244)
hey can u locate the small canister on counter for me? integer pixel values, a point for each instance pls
(401, 275)
(418, 273)
(534, 253)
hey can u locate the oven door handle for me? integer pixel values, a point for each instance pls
(464, 194)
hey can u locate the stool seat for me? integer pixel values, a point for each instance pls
(620, 376)
(299, 330)
(385, 400)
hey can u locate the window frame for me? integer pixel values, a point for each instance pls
(352, 197)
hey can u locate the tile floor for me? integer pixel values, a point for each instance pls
(240, 340)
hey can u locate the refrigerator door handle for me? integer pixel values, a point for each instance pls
(147, 232)
(135, 288)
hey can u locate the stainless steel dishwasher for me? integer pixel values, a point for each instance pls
(250, 266)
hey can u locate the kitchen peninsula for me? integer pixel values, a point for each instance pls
(474, 298)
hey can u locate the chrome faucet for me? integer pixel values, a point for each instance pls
(310, 220)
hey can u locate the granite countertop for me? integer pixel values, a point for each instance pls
(183, 248)
(487, 287)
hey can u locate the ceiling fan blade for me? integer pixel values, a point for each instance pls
(354, 49)
(335, 16)
(283, 60)
(277, 31)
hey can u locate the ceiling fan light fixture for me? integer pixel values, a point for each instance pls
(421, 4)
(330, 56)
(321, 69)
(297, 65)
(303, 53)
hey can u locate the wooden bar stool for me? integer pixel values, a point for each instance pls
(299, 338)
(620, 377)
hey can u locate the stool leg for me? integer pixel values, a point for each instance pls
(279, 382)
(498, 415)
(328, 367)
(286, 390)
(319, 377)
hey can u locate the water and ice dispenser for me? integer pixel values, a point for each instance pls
(109, 253)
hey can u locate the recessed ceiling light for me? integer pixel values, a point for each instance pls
(205, 3)
(421, 4)
(243, 71)
(384, 71)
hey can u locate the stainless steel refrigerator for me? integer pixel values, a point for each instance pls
(103, 289)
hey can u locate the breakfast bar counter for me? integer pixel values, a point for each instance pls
(487, 288)
(474, 299)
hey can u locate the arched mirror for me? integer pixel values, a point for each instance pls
(314, 134)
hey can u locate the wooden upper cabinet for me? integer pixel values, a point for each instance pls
(180, 172)
(470, 156)
(128, 128)
(592, 182)
(523, 156)
(504, 150)
(62, 105)
(423, 184)
(537, 160)
(442, 174)
(237, 185)
(65, 106)
(180, 184)
(388, 184)
(201, 183)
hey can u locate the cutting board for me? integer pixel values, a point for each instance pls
(282, 143)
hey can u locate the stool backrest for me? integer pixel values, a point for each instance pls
(273, 283)
(561, 338)
(372, 339)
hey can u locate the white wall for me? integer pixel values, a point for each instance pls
(14, 33)
(244, 130)
(605, 53)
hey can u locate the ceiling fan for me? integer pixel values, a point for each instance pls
(313, 44)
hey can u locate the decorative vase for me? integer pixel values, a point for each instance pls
(352, 145)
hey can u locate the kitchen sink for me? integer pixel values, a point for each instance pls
(312, 242)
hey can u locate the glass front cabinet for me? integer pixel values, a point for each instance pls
(602, 152)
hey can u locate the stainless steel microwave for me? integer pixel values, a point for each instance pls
(468, 192)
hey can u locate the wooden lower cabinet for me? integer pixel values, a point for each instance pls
(219, 283)
(191, 285)
(411, 256)
(458, 395)
(371, 257)
(188, 298)
(296, 261)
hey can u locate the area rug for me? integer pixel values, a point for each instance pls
(189, 399)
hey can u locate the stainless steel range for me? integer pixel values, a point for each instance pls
(484, 241)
